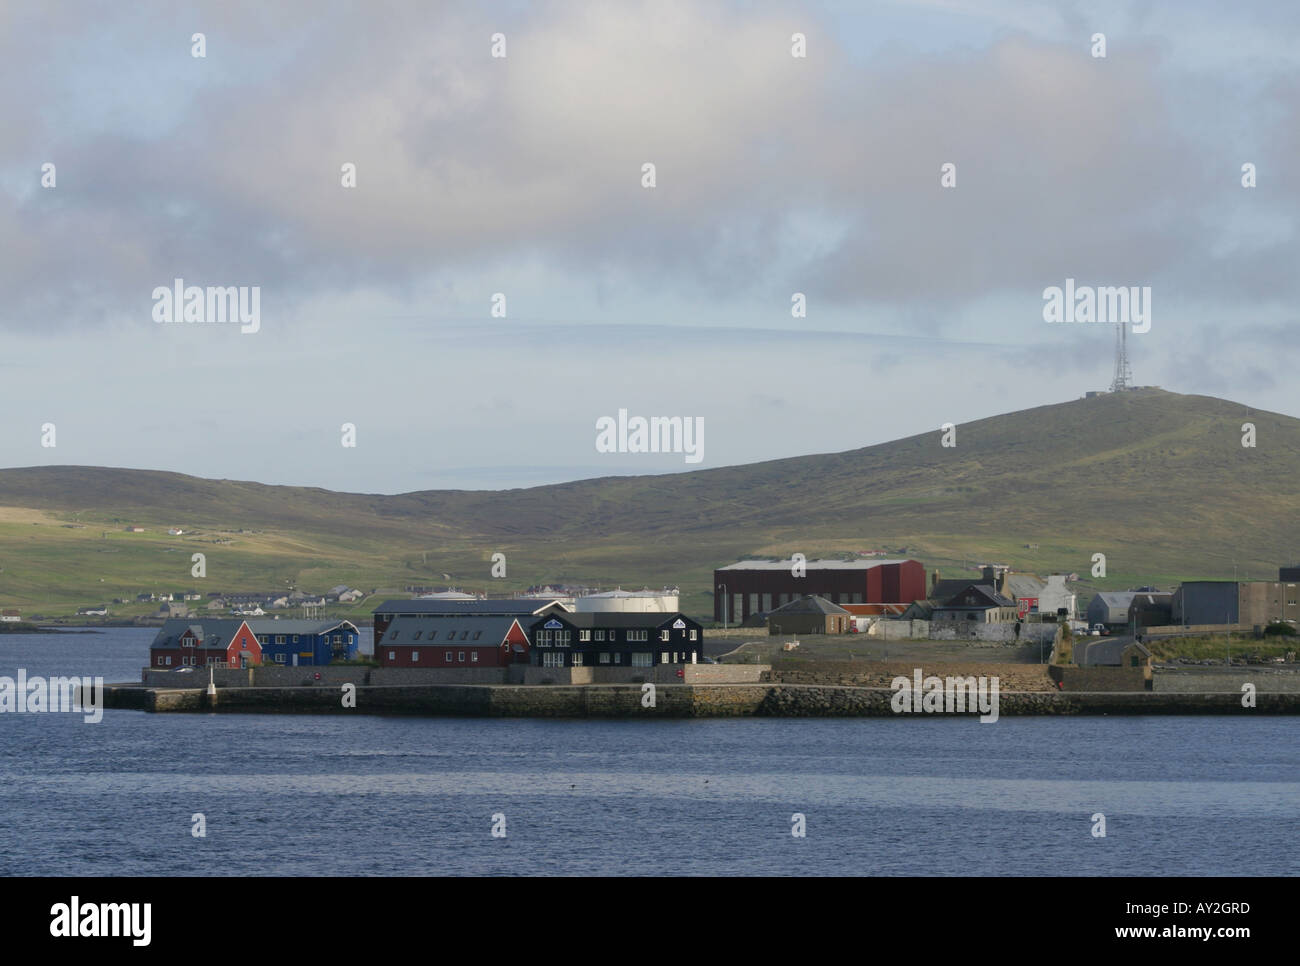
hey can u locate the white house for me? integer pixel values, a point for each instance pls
(1056, 595)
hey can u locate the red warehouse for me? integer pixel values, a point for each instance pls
(742, 590)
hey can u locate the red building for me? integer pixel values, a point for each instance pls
(442, 641)
(750, 587)
(182, 643)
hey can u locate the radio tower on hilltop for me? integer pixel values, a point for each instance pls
(1123, 376)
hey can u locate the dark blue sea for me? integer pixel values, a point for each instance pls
(360, 795)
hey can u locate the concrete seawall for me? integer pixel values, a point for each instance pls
(671, 701)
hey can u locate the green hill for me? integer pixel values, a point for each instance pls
(1157, 481)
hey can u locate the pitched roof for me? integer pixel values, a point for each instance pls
(620, 619)
(945, 588)
(515, 607)
(809, 604)
(210, 631)
(1025, 585)
(272, 626)
(443, 630)
(989, 597)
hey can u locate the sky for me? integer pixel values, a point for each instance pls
(382, 358)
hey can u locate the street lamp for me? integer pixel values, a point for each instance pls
(724, 605)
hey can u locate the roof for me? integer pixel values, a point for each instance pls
(811, 564)
(589, 619)
(809, 604)
(943, 589)
(273, 626)
(441, 630)
(515, 607)
(1025, 585)
(1107, 653)
(991, 598)
(1117, 598)
(211, 631)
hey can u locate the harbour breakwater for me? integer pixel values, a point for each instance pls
(665, 701)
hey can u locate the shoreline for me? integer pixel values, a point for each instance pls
(671, 701)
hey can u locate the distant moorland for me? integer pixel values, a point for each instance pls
(1158, 482)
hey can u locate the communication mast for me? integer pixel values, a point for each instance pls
(1123, 375)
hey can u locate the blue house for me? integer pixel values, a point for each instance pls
(293, 643)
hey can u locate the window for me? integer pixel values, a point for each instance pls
(295, 638)
(160, 660)
(243, 644)
(460, 656)
(464, 634)
(663, 657)
(279, 659)
(618, 658)
(473, 657)
(392, 655)
(416, 636)
(692, 635)
(577, 659)
(600, 636)
(279, 638)
(543, 637)
(415, 657)
(432, 634)
(477, 635)
(264, 638)
(169, 660)
(551, 659)
(338, 638)
(392, 636)
(604, 657)
(642, 659)
(663, 635)
(584, 635)
(448, 653)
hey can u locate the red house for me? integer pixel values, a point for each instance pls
(443, 641)
(184, 643)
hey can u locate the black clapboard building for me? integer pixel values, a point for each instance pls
(615, 640)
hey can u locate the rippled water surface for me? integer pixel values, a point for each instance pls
(394, 796)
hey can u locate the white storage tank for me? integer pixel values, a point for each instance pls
(629, 602)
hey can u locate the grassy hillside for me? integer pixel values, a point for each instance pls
(1159, 482)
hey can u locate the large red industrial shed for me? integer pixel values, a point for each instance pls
(750, 587)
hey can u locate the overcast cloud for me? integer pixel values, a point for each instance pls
(522, 175)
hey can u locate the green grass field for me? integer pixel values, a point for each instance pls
(1156, 481)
